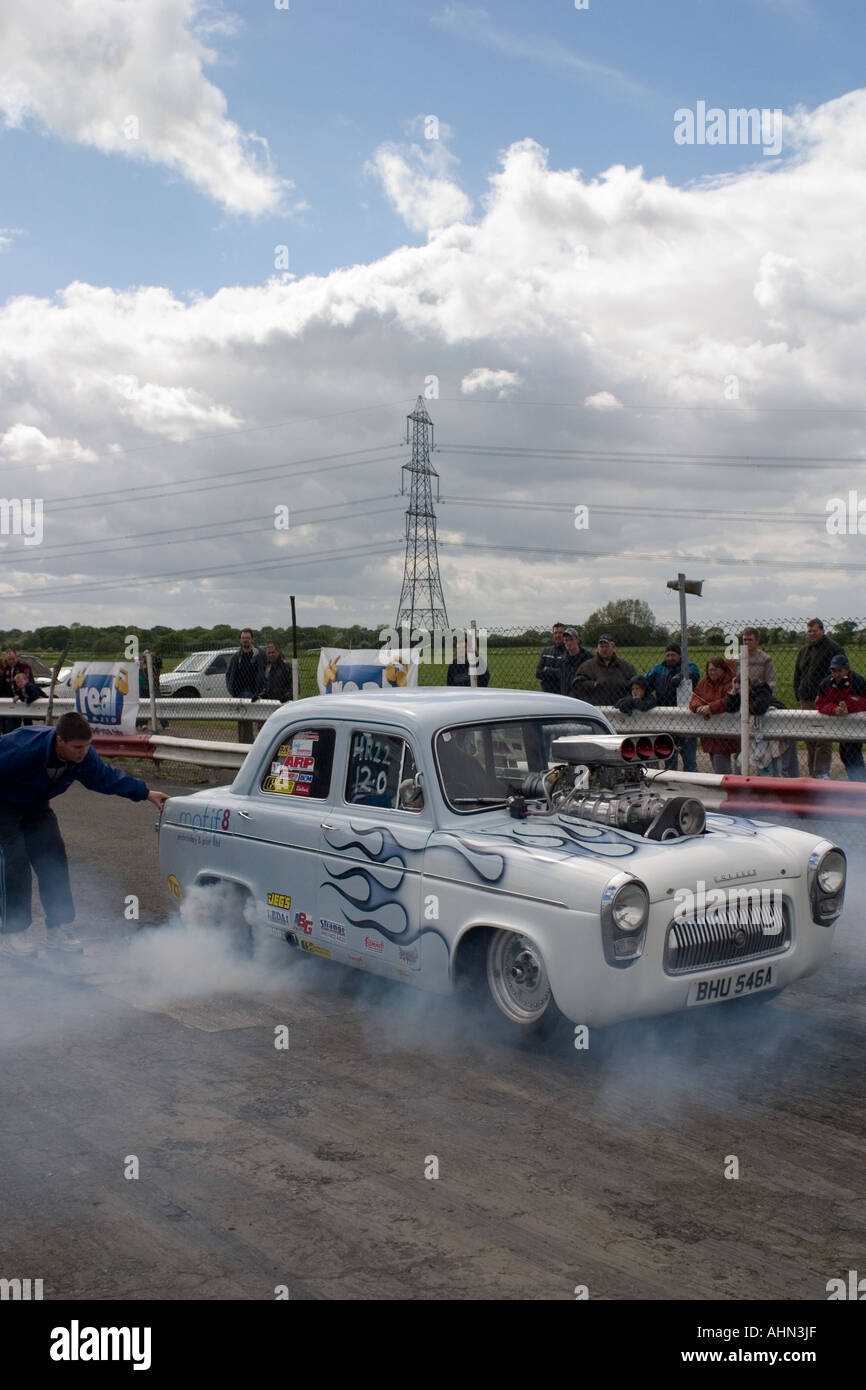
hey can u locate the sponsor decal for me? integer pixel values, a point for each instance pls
(210, 820)
(282, 919)
(333, 929)
(279, 900)
(288, 783)
(355, 959)
(409, 954)
(371, 945)
(304, 923)
(315, 950)
(174, 887)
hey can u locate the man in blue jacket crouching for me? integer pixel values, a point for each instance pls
(37, 764)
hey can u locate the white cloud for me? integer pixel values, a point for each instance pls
(418, 184)
(727, 319)
(503, 382)
(127, 79)
(27, 444)
(177, 412)
(8, 235)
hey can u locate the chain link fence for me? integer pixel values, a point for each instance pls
(512, 657)
(515, 662)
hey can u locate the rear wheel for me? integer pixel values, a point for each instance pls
(188, 693)
(224, 907)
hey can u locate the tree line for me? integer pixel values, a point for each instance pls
(631, 621)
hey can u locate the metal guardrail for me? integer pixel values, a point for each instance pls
(805, 796)
(796, 724)
(200, 711)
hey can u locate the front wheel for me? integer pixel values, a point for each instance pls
(518, 981)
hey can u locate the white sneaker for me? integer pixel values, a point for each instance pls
(18, 945)
(63, 939)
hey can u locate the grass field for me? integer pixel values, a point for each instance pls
(514, 667)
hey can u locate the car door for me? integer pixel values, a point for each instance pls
(374, 840)
(281, 823)
(213, 678)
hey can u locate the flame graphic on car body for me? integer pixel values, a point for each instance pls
(383, 877)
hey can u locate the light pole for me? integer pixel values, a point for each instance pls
(685, 586)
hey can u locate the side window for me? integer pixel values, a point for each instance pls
(301, 765)
(378, 763)
(218, 666)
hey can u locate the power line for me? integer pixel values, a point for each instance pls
(66, 549)
(136, 581)
(670, 557)
(160, 490)
(228, 432)
(624, 456)
(730, 407)
(564, 509)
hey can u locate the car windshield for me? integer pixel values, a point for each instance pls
(196, 662)
(481, 765)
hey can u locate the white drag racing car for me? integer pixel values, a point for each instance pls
(509, 838)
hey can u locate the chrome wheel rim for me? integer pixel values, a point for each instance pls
(517, 977)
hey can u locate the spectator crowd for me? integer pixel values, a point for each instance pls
(823, 681)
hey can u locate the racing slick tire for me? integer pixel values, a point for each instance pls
(225, 910)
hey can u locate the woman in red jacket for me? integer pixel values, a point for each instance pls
(708, 699)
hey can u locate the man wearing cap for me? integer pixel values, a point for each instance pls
(810, 669)
(547, 671)
(37, 764)
(605, 678)
(575, 655)
(844, 692)
(663, 680)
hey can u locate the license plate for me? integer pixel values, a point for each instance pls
(731, 986)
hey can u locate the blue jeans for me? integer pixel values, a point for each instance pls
(30, 837)
(687, 748)
(852, 760)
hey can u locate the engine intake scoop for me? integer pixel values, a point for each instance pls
(607, 750)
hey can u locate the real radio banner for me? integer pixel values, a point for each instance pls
(342, 670)
(106, 693)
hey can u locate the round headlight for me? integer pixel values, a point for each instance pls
(831, 872)
(630, 907)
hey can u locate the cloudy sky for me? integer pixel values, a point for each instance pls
(237, 242)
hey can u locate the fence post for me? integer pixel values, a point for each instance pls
(296, 670)
(148, 660)
(473, 657)
(745, 721)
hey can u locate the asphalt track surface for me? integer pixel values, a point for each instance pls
(304, 1167)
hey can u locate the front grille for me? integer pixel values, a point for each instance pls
(726, 937)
